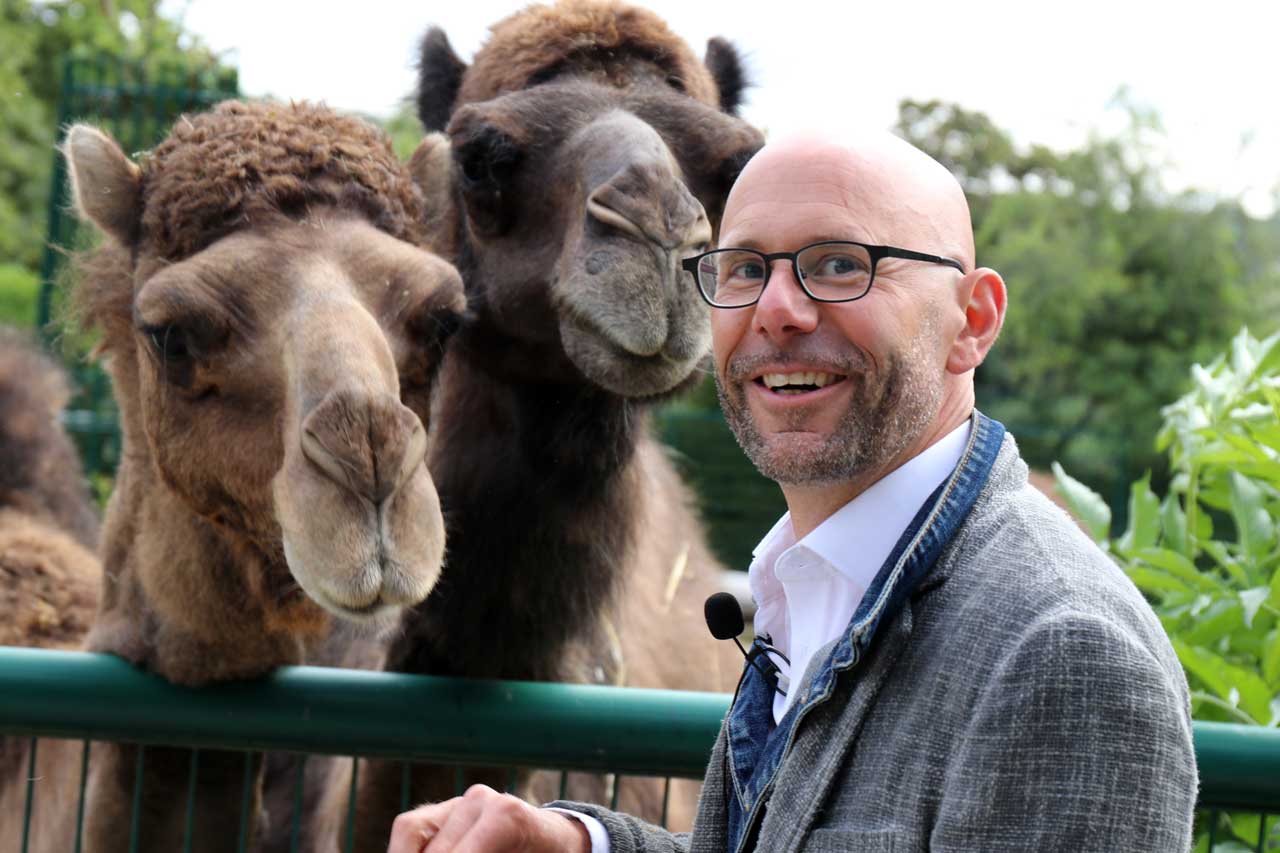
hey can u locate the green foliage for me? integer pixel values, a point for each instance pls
(19, 288)
(1115, 285)
(404, 129)
(1207, 553)
(35, 41)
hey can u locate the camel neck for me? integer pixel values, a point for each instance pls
(187, 599)
(539, 488)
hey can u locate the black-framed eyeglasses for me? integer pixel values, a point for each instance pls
(829, 271)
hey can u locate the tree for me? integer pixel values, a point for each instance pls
(1115, 284)
(35, 40)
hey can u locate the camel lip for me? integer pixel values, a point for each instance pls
(365, 613)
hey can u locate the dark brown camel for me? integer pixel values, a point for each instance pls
(263, 308)
(588, 151)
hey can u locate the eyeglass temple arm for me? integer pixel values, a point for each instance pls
(907, 254)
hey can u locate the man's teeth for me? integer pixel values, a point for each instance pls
(815, 379)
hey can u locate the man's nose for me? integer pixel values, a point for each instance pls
(784, 308)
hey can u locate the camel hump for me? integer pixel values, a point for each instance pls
(49, 577)
(40, 471)
(49, 584)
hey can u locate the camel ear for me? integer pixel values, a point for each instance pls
(429, 166)
(439, 78)
(105, 184)
(726, 67)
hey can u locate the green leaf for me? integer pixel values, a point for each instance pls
(1221, 619)
(1217, 454)
(1231, 683)
(1173, 525)
(1255, 529)
(1269, 471)
(1274, 598)
(1246, 446)
(1268, 434)
(1144, 516)
(1229, 564)
(1271, 659)
(1086, 504)
(1155, 582)
(1180, 567)
(1269, 361)
(1251, 600)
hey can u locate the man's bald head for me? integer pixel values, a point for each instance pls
(902, 196)
(828, 396)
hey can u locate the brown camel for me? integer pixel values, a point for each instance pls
(263, 308)
(588, 151)
(49, 577)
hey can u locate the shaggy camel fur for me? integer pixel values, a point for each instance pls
(49, 577)
(598, 158)
(263, 311)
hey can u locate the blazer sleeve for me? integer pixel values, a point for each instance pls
(628, 834)
(1080, 740)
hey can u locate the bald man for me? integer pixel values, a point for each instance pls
(956, 667)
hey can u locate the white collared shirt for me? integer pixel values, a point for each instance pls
(806, 592)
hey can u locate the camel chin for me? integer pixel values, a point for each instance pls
(606, 364)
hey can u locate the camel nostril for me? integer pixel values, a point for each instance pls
(367, 443)
(653, 206)
(602, 212)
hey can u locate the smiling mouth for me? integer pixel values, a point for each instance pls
(805, 382)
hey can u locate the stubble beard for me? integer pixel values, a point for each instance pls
(889, 408)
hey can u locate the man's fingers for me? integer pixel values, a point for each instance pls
(503, 826)
(462, 815)
(484, 821)
(413, 831)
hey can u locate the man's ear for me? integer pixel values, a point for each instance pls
(106, 186)
(984, 304)
(430, 166)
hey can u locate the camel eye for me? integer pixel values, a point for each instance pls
(169, 341)
(487, 160)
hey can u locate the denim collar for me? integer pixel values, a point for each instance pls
(755, 746)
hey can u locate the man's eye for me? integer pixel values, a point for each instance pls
(747, 269)
(839, 266)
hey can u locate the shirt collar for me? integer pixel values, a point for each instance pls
(857, 538)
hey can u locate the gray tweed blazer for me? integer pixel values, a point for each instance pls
(1023, 698)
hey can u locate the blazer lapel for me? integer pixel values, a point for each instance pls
(823, 742)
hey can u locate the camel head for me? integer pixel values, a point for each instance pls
(588, 152)
(272, 330)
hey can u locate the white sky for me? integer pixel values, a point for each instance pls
(1044, 72)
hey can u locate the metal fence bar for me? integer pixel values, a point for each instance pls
(345, 712)
(351, 806)
(295, 827)
(84, 782)
(188, 829)
(460, 722)
(246, 796)
(135, 820)
(1239, 766)
(31, 794)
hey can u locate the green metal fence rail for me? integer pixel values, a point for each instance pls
(625, 731)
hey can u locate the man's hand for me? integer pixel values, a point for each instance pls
(484, 821)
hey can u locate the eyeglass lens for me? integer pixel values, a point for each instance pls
(837, 271)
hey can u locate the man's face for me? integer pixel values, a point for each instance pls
(818, 393)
